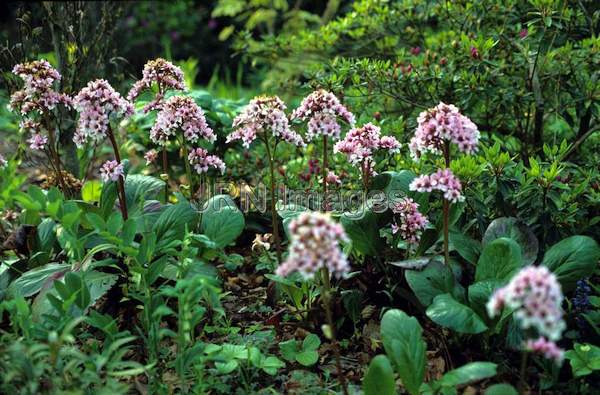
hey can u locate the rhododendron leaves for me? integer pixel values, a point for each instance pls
(449, 313)
(499, 260)
(434, 280)
(404, 345)
(572, 259)
(379, 379)
(222, 221)
(517, 230)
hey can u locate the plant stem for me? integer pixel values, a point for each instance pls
(446, 209)
(327, 301)
(188, 170)
(55, 157)
(165, 166)
(274, 220)
(121, 181)
(325, 165)
(523, 373)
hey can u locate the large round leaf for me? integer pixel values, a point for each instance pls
(517, 230)
(404, 345)
(434, 280)
(222, 221)
(379, 379)
(499, 260)
(363, 231)
(572, 259)
(447, 312)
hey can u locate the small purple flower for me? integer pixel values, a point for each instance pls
(37, 142)
(408, 220)
(547, 348)
(322, 109)
(150, 156)
(314, 244)
(415, 51)
(523, 33)
(202, 161)
(442, 180)
(111, 171)
(262, 115)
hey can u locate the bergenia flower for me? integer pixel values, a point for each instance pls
(180, 113)
(332, 178)
(202, 161)
(165, 75)
(37, 142)
(442, 180)
(150, 156)
(443, 123)
(536, 298)
(408, 220)
(322, 110)
(315, 239)
(548, 349)
(37, 94)
(263, 115)
(97, 104)
(362, 142)
(111, 171)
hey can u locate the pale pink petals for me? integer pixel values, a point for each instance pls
(202, 161)
(111, 171)
(443, 180)
(315, 239)
(536, 297)
(408, 220)
(322, 110)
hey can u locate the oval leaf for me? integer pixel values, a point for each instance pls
(447, 312)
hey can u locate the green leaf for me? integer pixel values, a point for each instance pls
(91, 191)
(222, 221)
(32, 281)
(447, 312)
(363, 230)
(172, 222)
(501, 389)
(404, 345)
(466, 247)
(480, 293)
(139, 188)
(572, 259)
(307, 358)
(434, 280)
(584, 359)
(516, 230)
(270, 365)
(379, 379)
(311, 342)
(469, 373)
(289, 349)
(499, 260)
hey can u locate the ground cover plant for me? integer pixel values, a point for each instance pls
(393, 197)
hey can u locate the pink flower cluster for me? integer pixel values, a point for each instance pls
(37, 93)
(162, 72)
(150, 156)
(360, 143)
(261, 115)
(111, 171)
(181, 113)
(443, 123)
(322, 110)
(315, 244)
(37, 141)
(411, 222)
(547, 348)
(442, 180)
(97, 103)
(536, 296)
(202, 161)
(332, 178)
